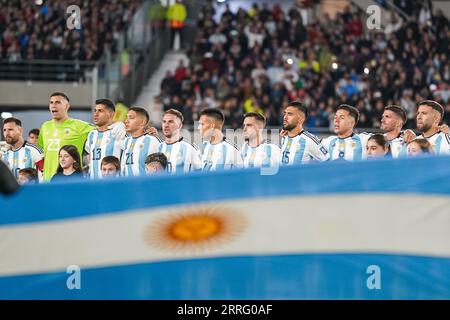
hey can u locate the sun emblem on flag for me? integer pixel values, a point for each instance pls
(195, 229)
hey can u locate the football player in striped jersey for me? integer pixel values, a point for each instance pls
(346, 144)
(299, 146)
(256, 152)
(138, 145)
(100, 142)
(217, 152)
(21, 154)
(182, 156)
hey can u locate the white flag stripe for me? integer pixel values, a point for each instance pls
(366, 223)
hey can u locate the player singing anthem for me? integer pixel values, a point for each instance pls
(101, 142)
(299, 146)
(138, 145)
(256, 152)
(429, 115)
(392, 121)
(346, 145)
(217, 153)
(182, 156)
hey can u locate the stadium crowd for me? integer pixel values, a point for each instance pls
(258, 60)
(29, 30)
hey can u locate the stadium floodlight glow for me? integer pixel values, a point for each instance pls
(433, 87)
(290, 61)
(334, 65)
(221, 1)
(6, 115)
(366, 70)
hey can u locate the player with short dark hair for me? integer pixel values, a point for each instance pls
(346, 144)
(392, 121)
(102, 142)
(61, 130)
(182, 156)
(256, 152)
(429, 116)
(299, 146)
(217, 153)
(138, 145)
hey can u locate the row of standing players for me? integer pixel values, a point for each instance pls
(131, 149)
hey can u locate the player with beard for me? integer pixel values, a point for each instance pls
(298, 146)
(257, 152)
(429, 116)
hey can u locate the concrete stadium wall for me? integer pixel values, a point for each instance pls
(36, 94)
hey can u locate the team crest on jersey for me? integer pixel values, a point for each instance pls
(194, 229)
(353, 144)
(141, 146)
(55, 132)
(67, 131)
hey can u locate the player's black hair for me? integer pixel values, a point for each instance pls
(60, 94)
(435, 105)
(213, 113)
(354, 112)
(107, 103)
(300, 106)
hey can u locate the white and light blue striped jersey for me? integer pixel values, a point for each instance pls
(219, 156)
(302, 149)
(440, 142)
(398, 148)
(135, 152)
(99, 145)
(266, 155)
(349, 149)
(27, 156)
(181, 156)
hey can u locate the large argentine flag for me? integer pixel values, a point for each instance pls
(368, 230)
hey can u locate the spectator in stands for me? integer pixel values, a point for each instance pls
(176, 16)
